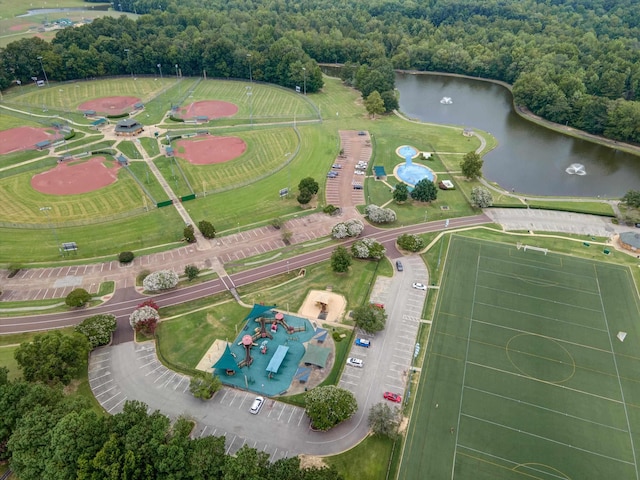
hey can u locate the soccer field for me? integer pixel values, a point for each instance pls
(525, 375)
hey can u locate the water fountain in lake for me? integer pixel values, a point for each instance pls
(446, 101)
(576, 169)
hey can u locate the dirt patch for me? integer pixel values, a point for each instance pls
(67, 179)
(213, 354)
(22, 138)
(210, 150)
(336, 305)
(22, 26)
(208, 108)
(109, 105)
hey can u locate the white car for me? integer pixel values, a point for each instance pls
(256, 405)
(419, 286)
(355, 362)
(359, 172)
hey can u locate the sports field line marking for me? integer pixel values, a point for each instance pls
(539, 299)
(544, 472)
(615, 363)
(537, 267)
(559, 340)
(559, 286)
(466, 362)
(565, 414)
(533, 379)
(542, 316)
(557, 442)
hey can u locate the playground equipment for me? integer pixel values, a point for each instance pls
(263, 347)
(247, 342)
(279, 319)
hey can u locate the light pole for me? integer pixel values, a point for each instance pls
(250, 95)
(129, 62)
(43, 72)
(304, 72)
(249, 60)
(45, 210)
(160, 69)
(177, 77)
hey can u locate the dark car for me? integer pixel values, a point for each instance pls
(399, 266)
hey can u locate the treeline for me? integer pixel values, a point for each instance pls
(574, 62)
(46, 434)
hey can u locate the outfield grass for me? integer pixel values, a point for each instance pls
(524, 376)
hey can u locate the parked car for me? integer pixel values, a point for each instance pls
(355, 362)
(332, 174)
(357, 186)
(363, 342)
(360, 172)
(394, 397)
(256, 405)
(399, 266)
(419, 286)
(362, 134)
(336, 165)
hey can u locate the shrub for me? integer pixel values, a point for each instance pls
(189, 234)
(378, 214)
(160, 280)
(78, 298)
(191, 271)
(97, 329)
(141, 276)
(350, 228)
(126, 257)
(207, 229)
(144, 319)
(368, 248)
(410, 242)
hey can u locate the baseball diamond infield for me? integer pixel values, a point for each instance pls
(210, 150)
(22, 138)
(208, 108)
(109, 105)
(75, 177)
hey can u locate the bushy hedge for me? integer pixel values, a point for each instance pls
(97, 329)
(160, 280)
(126, 257)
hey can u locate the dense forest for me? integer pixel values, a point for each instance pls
(574, 62)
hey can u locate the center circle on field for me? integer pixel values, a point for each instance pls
(540, 357)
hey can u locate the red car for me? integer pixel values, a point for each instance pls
(394, 397)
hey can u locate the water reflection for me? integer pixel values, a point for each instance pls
(530, 159)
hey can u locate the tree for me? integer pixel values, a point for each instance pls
(471, 165)
(340, 260)
(384, 420)
(207, 229)
(410, 242)
(144, 319)
(424, 191)
(191, 271)
(370, 318)
(204, 385)
(189, 234)
(97, 329)
(368, 248)
(378, 214)
(327, 406)
(248, 463)
(126, 257)
(350, 228)
(52, 357)
(390, 101)
(78, 297)
(374, 104)
(481, 197)
(401, 193)
(309, 184)
(304, 197)
(160, 280)
(632, 198)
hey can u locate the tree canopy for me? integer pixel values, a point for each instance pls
(327, 406)
(370, 318)
(471, 166)
(424, 191)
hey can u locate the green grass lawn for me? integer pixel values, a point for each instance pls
(369, 459)
(7, 360)
(524, 365)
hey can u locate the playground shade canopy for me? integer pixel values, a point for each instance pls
(316, 355)
(258, 310)
(226, 361)
(277, 359)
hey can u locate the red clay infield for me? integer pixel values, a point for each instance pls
(22, 138)
(211, 149)
(74, 177)
(109, 105)
(209, 108)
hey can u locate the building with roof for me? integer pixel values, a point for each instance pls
(129, 127)
(630, 241)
